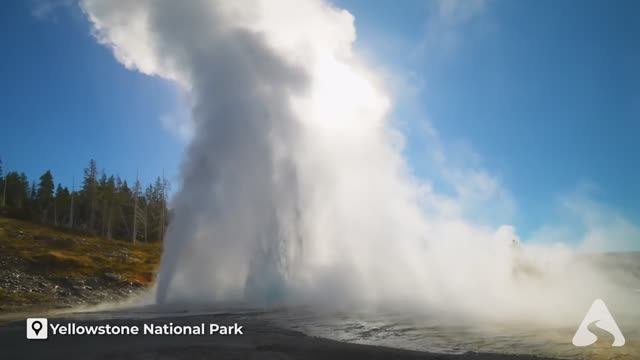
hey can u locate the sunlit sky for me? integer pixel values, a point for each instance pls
(543, 96)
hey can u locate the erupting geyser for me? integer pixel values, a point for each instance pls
(294, 188)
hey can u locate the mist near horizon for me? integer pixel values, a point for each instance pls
(294, 185)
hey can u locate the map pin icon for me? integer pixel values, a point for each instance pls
(36, 326)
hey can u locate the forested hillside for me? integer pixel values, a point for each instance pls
(104, 205)
(46, 267)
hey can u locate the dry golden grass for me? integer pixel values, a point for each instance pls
(62, 253)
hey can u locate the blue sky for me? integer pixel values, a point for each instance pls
(64, 100)
(542, 95)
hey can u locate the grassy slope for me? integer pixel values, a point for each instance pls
(67, 260)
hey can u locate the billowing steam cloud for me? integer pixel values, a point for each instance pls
(294, 188)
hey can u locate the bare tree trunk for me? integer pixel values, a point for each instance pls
(162, 204)
(105, 209)
(134, 232)
(92, 217)
(45, 212)
(4, 192)
(146, 220)
(109, 222)
(124, 221)
(71, 213)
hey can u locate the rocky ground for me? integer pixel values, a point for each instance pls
(22, 288)
(50, 268)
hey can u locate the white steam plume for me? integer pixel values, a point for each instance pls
(294, 188)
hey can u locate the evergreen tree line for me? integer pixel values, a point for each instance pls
(104, 205)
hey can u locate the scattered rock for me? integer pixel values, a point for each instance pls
(112, 277)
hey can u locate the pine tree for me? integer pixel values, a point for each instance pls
(122, 205)
(71, 203)
(137, 215)
(3, 188)
(109, 198)
(90, 192)
(17, 195)
(61, 202)
(106, 206)
(57, 200)
(44, 195)
(155, 199)
(32, 208)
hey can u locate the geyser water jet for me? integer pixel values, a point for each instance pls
(294, 187)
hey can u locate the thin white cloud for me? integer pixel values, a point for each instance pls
(480, 194)
(589, 225)
(178, 125)
(178, 120)
(606, 229)
(44, 9)
(445, 27)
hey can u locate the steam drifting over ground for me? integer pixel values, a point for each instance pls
(294, 188)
